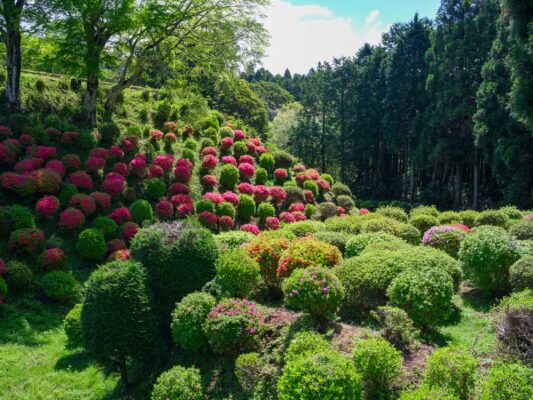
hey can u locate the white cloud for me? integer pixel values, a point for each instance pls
(301, 36)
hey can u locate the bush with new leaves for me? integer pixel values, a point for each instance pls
(72, 327)
(246, 208)
(425, 393)
(358, 243)
(305, 343)
(307, 252)
(423, 222)
(59, 285)
(229, 176)
(188, 321)
(179, 383)
(237, 273)
(91, 244)
(507, 381)
(395, 213)
(141, 210)
(491, 217)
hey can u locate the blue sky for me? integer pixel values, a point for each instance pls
(304, 32)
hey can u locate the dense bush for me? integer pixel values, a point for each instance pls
(265, 210)
(179, 257)
(237, 273)
(59, 285)
(25, 240)
(267, 161)
(229, 176)
(225, 209)
(294, 195)
(358, 243)
(304, 344)
(487, 253)
(450, 217)
(425, 393)
(379, 365)
(425, 295)
(179, 383)
(307, 252)
(507, 381)
(424, 210)
(282, 159)
(445, 238)
(91, 244)
(522, 230)
(346, 202)
(327, 210)
(423, 221)
(109, 133)
(21, 217)
(205, 205)
(395, 213)
(521, 273)
(491, 217)
(315, 290)
(233, 239)
(246, 208)
(302, 229)
(337, 239)
(18, 276)
(267, 249)
(454, 369)
(469, 217)
(325, 375)
(234, 326)
(155, 188)
(72, 327)
(396, 327)
(108, 226)
(261, 176)
(188, 321)
(340, 189)
(249, 370)
(141, 210)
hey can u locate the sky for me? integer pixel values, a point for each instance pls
(304, 32)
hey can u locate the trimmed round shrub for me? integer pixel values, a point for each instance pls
(266, 161)
(179, 383)
(304, 228)
(226, 208)
(304, 344)
(265, 210)
(246, 208)
(188, 321)
(379, 365)
(311, 186)
(425, 393)
(229, 176)
(315, 290)
(507, 381)
(141, 210)
(395, 213)
(234, 326)
(450, 217)
(282, 159)
(117, 316)
(205, 205)
(267, 249)
(107, 225)
(512, 212)
(307, 252)
(345, 202)
(469, 217)
(327, 210)
(340, 189)
(91, 244)
(445, 238)
(358, 243)
(72, 327)
(67, 191)
(237, 273)
(491, 217)
(156, 188)
(486, 254)
(59, 285)
(521, 273)
(109, 133)
(452, 368)
(25, 240)
(261, 176)
(232, 239)
(424, 210)
(425, 295)
(188, 154)
(326, 375)
(19, 275)
(522, 230)
(396, 327)
(239, 149)
(409, 233)
(21, 217)
(423, 222)
(337, 239)
(179, 257)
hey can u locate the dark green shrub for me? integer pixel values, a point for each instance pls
(237, 273)
(141, 210)
(314, 290)
(326, 375)
(506, 381)
(282, 159)
(423, 222)
(521, 273)
(188, 321)
(304, 344)
(179, 257)
(156, 188)
(522, 230)
(425, 393)
(379, 365)
(265, 210)
(107, 225)
(491, 217)
(345, 202)
(59, 285)
(425, 295)
(19, 275)
(229, 176)
(246, 209)
(249, 368)
(358, 243)
(226, 208)
(337, 239)
(67, 191)
(205, 205)
(3, 288)
(72, 327)
(395, 213)
(261, 176)
(396, 327)
(239, 149)
(294, 195)
(487, 253)
(21, 217)
(327, 210)
(91, 244)
(340, 189)
(454, 369)
(179, 383)
(110, 133)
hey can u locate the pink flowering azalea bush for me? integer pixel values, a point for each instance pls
(120, 215)
(101, 199)
(71, 218)
(26, 240)
(48, 206)
(81, 180)
(316, 291)
(51, 258)
(447, 238)
(235, 326)
(254, 229)
(164, 210)
(83, 202)
(138, 166)
(113, 184)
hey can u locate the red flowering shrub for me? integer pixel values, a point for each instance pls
(260, 150)
(340, 211)
(26, 140)
(99, 152)
(156, 135)
(226, 143)
(138, 166)
(115, 153)
(208, 219)
(299, 168)
(287, 217)
(72, 162)
(26, 165)
(3, 269)
(184, 210)
(165, 161)
(5, 132)
(121, 169)
(128, 144)
(51, 258)
(48, 181)
(183, 174)
(116, 245)
(301, 177)
(245, 188)
(299, 216)
(363, 211)
(323, 185)
(297, 207)
(48, 206)
(156, 171)
(178, 188)
(216, 198)
(25, 240)
(250, 228)
(209, 162)
(22, 184)
(246, 159)
(280, 175)
(129, 230)
(226, 223)
(239, 135)
(42, 152)
(308, 252)
(261, 193)
(57, 166)
(250, 148)
(181, 199)
(119, 255)
(209, 181)
(184, 162)
(164, 210)
(70, 137)
(71, 218)
(120, 215)
(113, 184)
(246, 170)
(9, 150)
(81, 180)
(267, 249)
(170, 127)
(272, 224)
(102, 200)
(170, 138)
(209, 150)
(229, 160)
(231, 197)
(83, 202)
(309, 196)
(94, 164)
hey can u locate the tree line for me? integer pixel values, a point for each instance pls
(440, 112)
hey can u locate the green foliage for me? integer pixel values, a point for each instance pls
(21, 217)
(272, 94)
(212, 133)
(156, 188)
(265, 210)
(424, 210)
(522, 230)
(67, 191)
(107, 225)
(261, 176)
(491, 217)
(248, 370)
(425, 393)
(72, 327)
(227, 209)
(393, 212)
(109, 134)
(340, 189)
(304, 344)
(454, 369)
(337, 239)
(303, 228)
(307, 252)
(237, 273)
(325, 375)
(450, 217)
(423, 221)
(59, 285)
(91, 244)
(358, 243)
(312, 187)
(188, 320)
(521, 273)
(141, 210)
(327, 210)
(233, 239)
(379, 365)
(267, 161)
(345, 202)
(469, 217)
(294, 195)
(205, 205)
(283, 159)
(189, 155)
(396, 327)
(246, 208)
(512, 212)
(486, 254)
(179, 383)
(19, 275)
(507, 381)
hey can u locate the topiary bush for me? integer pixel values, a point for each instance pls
(229, 176)
(326, 375)
(21, 217)
(315, 290)
(237, 273)
(261, 176)
(304, 228)
(266, 161)
(246, 208)
(265, 210)
(18, 276)
(339, 189)
(521, 273)
(233, 239)
(358, 243)
(450, 217)
(445, 238)
(156, 188)
(304, 344)
(454, 369)
(423, 222)
(522, 230)
(179, 383)
(396, 327)
(312, 187)
(25, 240)
(486, 254)
(141, 210)
(395, 213)
(424, 210)
(249, 370)
(337, 239)
(234, 326)
(72, 327)
(59, 285)
(107, 225)
(507, 381)
(91, 244)
(226, 208)
(327, 210)
(425, 393)
(307, 252)
(282, 159)
(188, 320)
(379, 365)
(491, 217)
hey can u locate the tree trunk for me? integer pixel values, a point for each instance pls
(458, 184)
(124, 375)
(92, 60)
(116, 91)
(12, 41)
